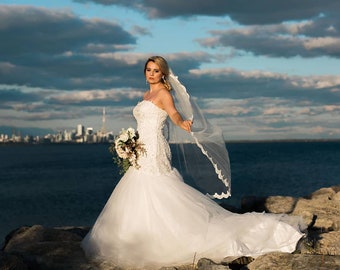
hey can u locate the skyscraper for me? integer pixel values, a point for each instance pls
(80, 130)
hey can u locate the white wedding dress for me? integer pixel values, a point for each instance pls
(154, 219)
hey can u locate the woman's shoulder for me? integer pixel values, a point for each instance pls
(163, 99)
(164, 93)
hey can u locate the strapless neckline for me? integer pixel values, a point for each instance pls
(149, 101)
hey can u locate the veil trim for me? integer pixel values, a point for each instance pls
(217, 170)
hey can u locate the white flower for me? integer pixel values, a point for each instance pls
(120, 152)
(124, 137)
(131, 132)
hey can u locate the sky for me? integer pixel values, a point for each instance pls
(259, 69)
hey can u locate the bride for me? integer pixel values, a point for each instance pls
(154, 219)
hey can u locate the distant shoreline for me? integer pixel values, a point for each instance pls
(282, 140)
(227, 142)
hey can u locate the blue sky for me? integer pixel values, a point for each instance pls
(260, 69)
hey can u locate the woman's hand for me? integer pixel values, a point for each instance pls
(186, 125)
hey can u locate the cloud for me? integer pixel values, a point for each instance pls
(235, 84)
(55, 48)
(242, 11)
(306, 39)
(97, 97)
(138, 30)
(11, 94)
(43, 30)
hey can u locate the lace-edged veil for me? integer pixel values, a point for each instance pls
(202, 156)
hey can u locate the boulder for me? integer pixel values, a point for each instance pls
(328, 243)
(207, 264)
(280, 204)
(287, 261)
(48, 248)
(10, 261)
(322, 208)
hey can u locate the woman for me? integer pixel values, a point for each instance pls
(154, 219)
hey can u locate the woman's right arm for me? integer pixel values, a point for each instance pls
(176, 118)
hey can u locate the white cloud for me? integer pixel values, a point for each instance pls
(96, 95)
(323, 42)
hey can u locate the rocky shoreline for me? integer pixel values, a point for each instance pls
(40, 248)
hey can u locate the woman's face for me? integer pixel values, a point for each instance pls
(153, 74)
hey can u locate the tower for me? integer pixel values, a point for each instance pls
(80, 130)
(103, 130)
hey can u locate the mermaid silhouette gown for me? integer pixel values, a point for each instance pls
(153, 219)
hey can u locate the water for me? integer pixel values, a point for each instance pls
(58, 185)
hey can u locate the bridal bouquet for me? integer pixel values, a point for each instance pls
(127, 149)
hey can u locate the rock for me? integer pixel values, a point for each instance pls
(207, 264)
(328, 244)
(323, 207)
(320, 210)
(323, 193)
(336, 196)
(237, 262)
(280, 204)
(11, 262)
(287, 261)
(24, 237)
(48, 248)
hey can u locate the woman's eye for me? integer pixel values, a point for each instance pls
(150, 70)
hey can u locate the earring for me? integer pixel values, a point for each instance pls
(146, 82)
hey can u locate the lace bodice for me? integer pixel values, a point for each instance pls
(150, 123)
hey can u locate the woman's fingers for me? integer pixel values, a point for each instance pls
(188, 125)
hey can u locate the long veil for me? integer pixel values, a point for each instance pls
(202, 156)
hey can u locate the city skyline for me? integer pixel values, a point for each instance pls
(265, 70)
(80, 134)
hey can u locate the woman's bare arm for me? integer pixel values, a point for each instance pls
(169, 106)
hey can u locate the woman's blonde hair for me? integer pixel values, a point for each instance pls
(163, 66)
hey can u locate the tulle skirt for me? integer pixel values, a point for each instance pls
(153, 220)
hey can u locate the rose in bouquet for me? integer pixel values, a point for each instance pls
(127, 149)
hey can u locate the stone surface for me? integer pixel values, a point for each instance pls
(48, 248)
(9, 261)
(286, 261)
(280, 204)
(328, 244)
(207, 264)
(322, 205)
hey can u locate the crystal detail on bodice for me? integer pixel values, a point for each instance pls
(150, 125)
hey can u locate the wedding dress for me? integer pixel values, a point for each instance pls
(153, 219)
